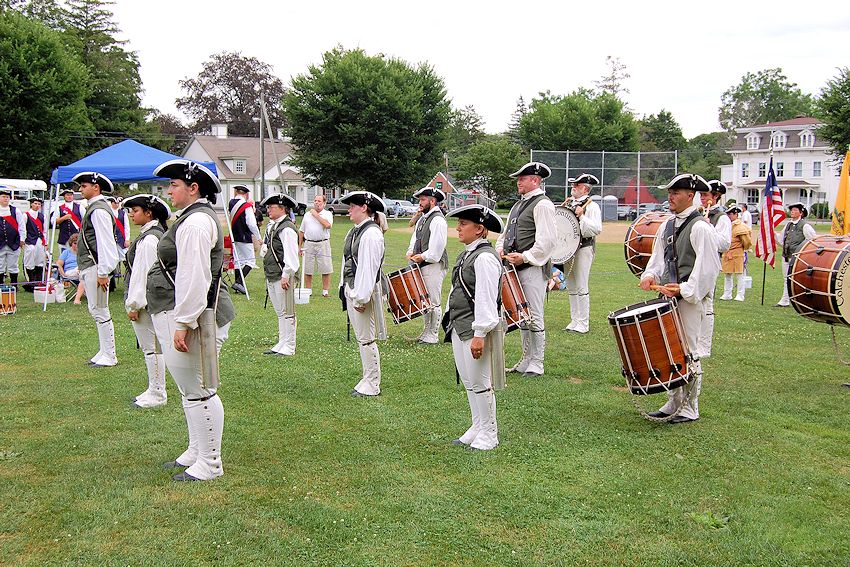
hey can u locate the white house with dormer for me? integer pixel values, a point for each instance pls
(805, 170)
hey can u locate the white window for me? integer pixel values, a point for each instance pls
(778, 140)
(807, 139)
(753, 141)
(752, 196)
(239, 166)
(745, 170)
(798, 169)
(762, 169)
(816, 169)
(780, 169)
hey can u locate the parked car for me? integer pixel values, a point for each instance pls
(337, 208)
(649, 207)
(626, 212)
(400, 208)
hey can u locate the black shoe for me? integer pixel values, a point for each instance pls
(356, 394)
(183, 477)
(681, 419)
(458, 442)
(658, 413)
(173, 465)
(846, 385)
(270, 351)
(239, 288)
(531, 375)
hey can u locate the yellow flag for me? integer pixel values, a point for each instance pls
(841, 212)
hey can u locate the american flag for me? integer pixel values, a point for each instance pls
(772, 213)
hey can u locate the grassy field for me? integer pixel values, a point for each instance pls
(313, 476)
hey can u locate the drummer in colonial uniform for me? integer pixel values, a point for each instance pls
(192, 311)
(35, 249)
(280, 264)
(97, 258)
(427, 249)
(243, 223)
(13, 235)
(577, 269)
(685, 262)
(527, 244)
(796, 233)
(363, 255)
(473, 311)
(150, 214)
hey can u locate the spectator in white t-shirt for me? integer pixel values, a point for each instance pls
(314, 236)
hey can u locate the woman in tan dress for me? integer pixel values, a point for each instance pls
(733, 259)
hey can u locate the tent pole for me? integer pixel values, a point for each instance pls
(52, 232)
(233, 247)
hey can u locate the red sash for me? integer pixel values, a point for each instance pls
(240, 211)
(12, 221)
(120, 224)
(40, 226)
(74, 218)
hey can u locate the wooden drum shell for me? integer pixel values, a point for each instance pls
(514, 303)
(640, 238)
(816, 280)
(408, 298)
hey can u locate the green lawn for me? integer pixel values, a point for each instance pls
(313, 476)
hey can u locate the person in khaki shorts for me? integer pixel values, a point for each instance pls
(314, 236)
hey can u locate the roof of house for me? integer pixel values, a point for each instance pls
(799, 121)
(791, 128)
(220, 149)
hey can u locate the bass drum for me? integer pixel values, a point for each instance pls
(640, 238)
(816, 280)
(569, 235)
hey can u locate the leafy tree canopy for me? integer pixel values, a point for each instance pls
(368, 122)
(762, 97)
(704, 154)
(661, 133)
(227, 91)
(487, 164)
(465, 128)
(833, 107)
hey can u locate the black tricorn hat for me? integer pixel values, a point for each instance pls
(4, 191)
(584, 178)
(799, 205)
(431, 192)
(95, 178)
(154, 204)
(36, 200)
(479, 214)
(733, 208)
(687, 181)
(241, 189)
(375, 203)
(66, 191)
(533, 168)
(191, 172)
(279, 199)
(717, 186)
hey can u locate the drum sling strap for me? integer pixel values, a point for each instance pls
(671, 234)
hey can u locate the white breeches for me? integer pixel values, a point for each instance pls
(786, 269)
(9, 260)
(576, 279)
(433, 275)
(155, 393)
(533, 336)
(34, 255)
(243, 255)
(687, 397)
(283, 302)
(475, 375)
(706, 334)
(364, 330)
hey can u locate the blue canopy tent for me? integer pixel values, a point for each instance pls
(125, 162)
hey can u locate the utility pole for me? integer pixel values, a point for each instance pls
(262, 152)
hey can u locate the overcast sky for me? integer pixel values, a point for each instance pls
(681, 55)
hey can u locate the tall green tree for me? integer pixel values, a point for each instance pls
(488, 163)
(762, 97)
(465, 128)
(227, 91)
(661, 133)
(42, 99)
(368, 122)
(582, 120)
(114, 90)
(516, 119)
(48, 12)
(833, 107)
(704, 154)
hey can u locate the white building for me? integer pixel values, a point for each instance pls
(805, 170)
(237, 159)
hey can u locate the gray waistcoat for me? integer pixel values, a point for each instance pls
(351, 252)
(160, 294)
(155, 231)
(685, 255)
(274, 261)
(521, 230)
(714, 215)
(462, 297)
(794, 239)
(87, 244)
(423, 237)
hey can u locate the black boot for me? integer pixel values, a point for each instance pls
(13, 278)
(31, 278)
(2, 278)
(39, 274)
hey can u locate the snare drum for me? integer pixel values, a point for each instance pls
(514, 304)
(816, 280)
(8, 300)
(640, 238)
(652, 347)
(408, 297)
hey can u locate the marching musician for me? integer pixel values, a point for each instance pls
(716, 214)
(243, 223)
(527, 244)
(13, 235)
(732, 262)
(122, 227)
(577, 269)
(192, 312)
(97, 258)
(35, 249)
(427, 249)
(685, 261)
(280, 264)
(473, 310)
(150, 214)
(363, 254)
(796, 233)
(69, 215)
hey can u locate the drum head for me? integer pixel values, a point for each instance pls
(640, 311)
(568, 233)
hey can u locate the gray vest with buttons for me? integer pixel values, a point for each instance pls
(423, 237)
(462, 297)
(794, 239)
(87, 243)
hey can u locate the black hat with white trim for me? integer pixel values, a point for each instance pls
(687, 181)
(733, 208)
(36, 200)
(541, 170)
(585, 178)
(4, 191)
(375, 203)
(279, 199)
(241, 189)
(95, 178)
(66, 191)
(799, 205)
(191, 172)
(159, 208)
(431, 192)
(479, 214)
(717, 186)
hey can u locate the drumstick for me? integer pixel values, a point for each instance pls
(659, 288)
